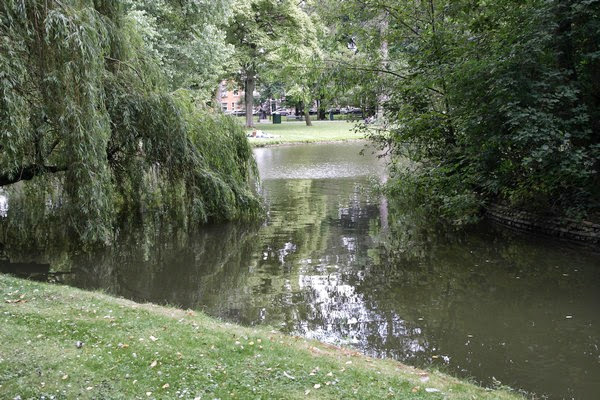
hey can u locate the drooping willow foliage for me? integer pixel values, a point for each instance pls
(88, 129)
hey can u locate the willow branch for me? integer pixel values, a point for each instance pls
(29, 172)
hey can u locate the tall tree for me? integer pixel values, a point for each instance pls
(258, 30)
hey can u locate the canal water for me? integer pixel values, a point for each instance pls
(335, 262)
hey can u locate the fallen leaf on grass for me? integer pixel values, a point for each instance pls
(154, 339)
(317, 386)
(65, 377)
(153, 364)
(288, 375)
(416, 389)
(16, 301)
(432, 390)
(166, 386)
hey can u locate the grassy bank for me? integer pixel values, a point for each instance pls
(145, 351)
(298, 132)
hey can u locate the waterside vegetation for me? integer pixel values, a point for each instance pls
(493, 102)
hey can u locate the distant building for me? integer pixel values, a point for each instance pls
(232, 97)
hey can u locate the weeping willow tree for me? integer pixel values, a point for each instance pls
(88, 128)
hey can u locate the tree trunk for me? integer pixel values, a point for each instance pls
(307, 116)
(382, 96)
(250, 84)
(321, 111)
(449, 135)
(564, 44)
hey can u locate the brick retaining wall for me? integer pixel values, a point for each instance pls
(566, 228)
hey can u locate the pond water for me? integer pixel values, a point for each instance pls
(336, 262)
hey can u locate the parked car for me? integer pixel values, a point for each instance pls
(282, 111)
(351, 110)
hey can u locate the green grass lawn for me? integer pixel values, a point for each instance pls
(144, 351)
(298, 132)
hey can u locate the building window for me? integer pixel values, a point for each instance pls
(224, 105)
(236, 92)
(233, 106)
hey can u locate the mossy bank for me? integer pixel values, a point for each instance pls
(59, 342)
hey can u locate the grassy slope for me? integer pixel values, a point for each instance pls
(145, 351)
(298, 132)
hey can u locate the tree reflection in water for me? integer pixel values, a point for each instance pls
(336, 263)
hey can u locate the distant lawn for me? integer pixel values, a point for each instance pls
(298, 132)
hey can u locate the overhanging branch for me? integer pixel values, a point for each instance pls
(28, 173)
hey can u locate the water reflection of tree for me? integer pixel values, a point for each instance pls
(188, 269)
(492, 300)
(301, 239)
(325, 266)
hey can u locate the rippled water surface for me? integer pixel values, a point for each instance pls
(334, 262)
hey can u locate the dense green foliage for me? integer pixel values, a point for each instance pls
(89, 129)
(490, 101)
(101, 102)
(186, 39)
